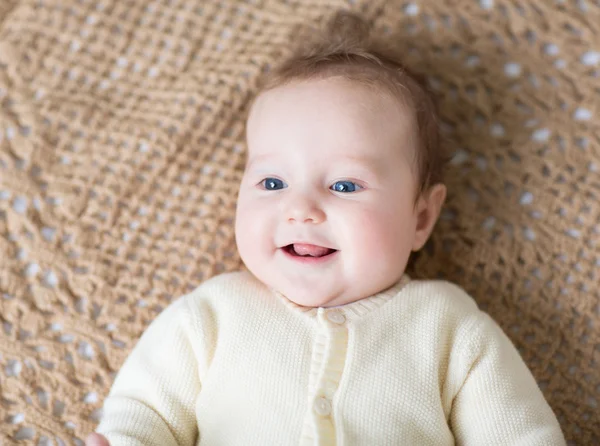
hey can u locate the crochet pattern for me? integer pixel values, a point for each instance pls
(122, 146)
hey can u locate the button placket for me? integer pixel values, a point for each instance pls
(328, 359)
(336, 317)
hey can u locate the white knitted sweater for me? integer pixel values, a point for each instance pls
(235, 363)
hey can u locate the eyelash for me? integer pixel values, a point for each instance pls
(357, 186)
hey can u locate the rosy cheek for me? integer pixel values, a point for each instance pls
(249, 222)
(384, 232)
(253, 222)
(244, 220)
(364, 231)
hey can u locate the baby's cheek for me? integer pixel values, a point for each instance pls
(247, 230)
(383, 236)
(369, 232)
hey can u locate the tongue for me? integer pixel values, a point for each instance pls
(310, 250)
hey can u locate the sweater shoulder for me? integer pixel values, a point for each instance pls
(230, 283)
(441, 294)
(227, 290)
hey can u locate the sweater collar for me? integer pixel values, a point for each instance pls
(354, 310)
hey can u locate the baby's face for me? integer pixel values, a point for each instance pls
(325, 210)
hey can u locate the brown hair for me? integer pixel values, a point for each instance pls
(347, 48)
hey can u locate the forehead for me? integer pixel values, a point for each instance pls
(329, 115)
(336, 96)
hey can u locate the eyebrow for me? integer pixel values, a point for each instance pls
(252, 160)
(370, 161)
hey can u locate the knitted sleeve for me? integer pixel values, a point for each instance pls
(499, 402)
(152, 399)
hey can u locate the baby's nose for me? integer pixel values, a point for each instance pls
(305, 210)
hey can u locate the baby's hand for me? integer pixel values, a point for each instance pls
(95, 439)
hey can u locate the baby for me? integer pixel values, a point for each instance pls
(325, 340)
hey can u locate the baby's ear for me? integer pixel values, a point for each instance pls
(428, 210)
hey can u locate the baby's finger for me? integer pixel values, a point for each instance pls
(95, 439)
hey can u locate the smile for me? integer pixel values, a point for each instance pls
(319, 254)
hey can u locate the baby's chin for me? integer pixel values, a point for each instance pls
(322, 290)
(315, 298)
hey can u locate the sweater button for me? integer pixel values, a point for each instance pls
(336, 317)
(322, 407)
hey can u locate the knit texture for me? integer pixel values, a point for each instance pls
(235, 363)
(121, 148)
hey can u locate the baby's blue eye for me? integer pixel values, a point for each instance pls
(273, 184)
(345, 186)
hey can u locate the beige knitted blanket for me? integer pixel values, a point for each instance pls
(121, 146)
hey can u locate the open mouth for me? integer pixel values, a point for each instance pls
(307, 251)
